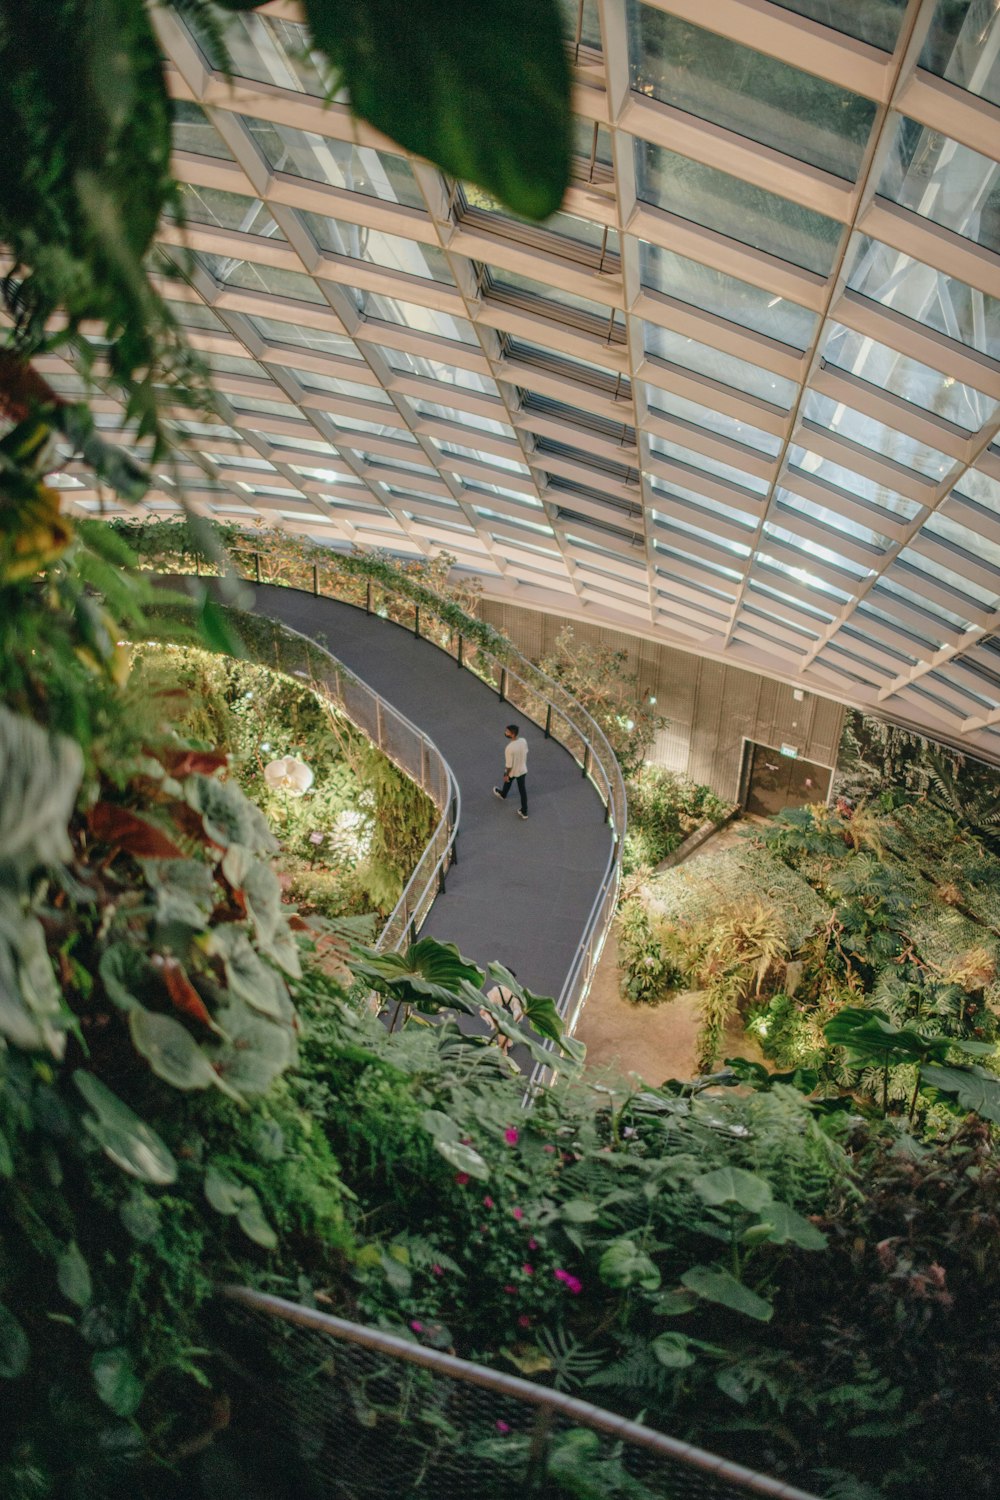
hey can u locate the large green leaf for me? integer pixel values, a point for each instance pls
(255, 1051)
(128, 1141)
(73, 1275)
(249, 978)
(171, 1051)
(867, 1036)
(623, 1264)
(115, 1380)
(227, 815)
(717, 1285)
(789, 1227)
(480, 87)
(427, 975)
(15, 1351)
(32, 1015)
(974, 1088)
(40, 775)
(672, 1351)
(733, 1185)
(462, 1158)
(232, 1198)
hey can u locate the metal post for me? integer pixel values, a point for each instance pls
(586, 758)
(461, 649)
(503, 684)
(548, 721)
(441, 885)
(416, 621)
(315, 578)
(368, 598)
(256, 566)
(454, 842)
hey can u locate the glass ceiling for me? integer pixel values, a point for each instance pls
(742, 394)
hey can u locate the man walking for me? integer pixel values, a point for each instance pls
(515, 768)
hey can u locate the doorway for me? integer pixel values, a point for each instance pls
(774, 781)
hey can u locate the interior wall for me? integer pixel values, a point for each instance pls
(712, 707)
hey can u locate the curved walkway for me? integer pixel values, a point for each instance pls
(520, 892)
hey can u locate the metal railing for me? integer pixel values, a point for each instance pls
(517, 681)
(278, 646)
(360, 1413)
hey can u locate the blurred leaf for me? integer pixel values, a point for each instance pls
(128, 1141)
(480, 87)
(115, 1380)
(172, 1052)
(789, 1227)
(974, 1088)
(73, 1275)
(623, 1264)
(15, 1351)
(122, 829)
(40, 775)
(671, 1350)
(462, 1158)
(733, 1185)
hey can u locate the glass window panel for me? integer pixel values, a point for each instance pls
(217, 430)
(276, 331)
(482, 487)
(564, 364)
(917, 383)
(342, 164)
(420, 319)
(352, 388)
(432, 369)
(739, 301)
(193, 131)
(706, 74)
(377, 461)
(950, 184)
(509, 520)
(358, 242)
(667, 404)
(718, 569)
(884, 441)
(569, 228)
(376, 429)
(554, 302)
(876, 22)
(814, 549)
(266, 50)
(929, 296)
(697, 460)
(239, 461)
(231, 364)
(732, 207)
(195, 315)
(981, 488)
(677, 349)
(592, 141)
(950, 576)
(453, 450)
(817, 467)
(327, 476)
(231, 271)
(204, 205)
(982, 548)
(802, 575)
(264, 406)
(581, 17)
(758, 587)
(963, 46)
(788, 500)
(701, 502)
(887, 587)
(464, 418)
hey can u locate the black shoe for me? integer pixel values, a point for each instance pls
(498, 793)
(522, 815)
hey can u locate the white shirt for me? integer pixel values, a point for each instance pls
(516, 756)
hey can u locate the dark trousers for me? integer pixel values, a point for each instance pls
(522, 786)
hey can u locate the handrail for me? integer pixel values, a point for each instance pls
(533, 693)
(712, 1474)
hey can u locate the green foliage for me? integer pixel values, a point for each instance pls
(663, 809)
(597, 677)
(644, 962)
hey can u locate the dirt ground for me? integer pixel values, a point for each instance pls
(655, 1041)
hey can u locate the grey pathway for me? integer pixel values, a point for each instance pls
(520, 892)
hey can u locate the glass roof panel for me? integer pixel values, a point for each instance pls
(677, 349)
(941, 180)
(928, 296)
(205, 205)
(963, 46)
(748, 92)
(193, 131)
(667, 404)
(931, 390)
(392, 251)
(876, 22)
(738, 301)
(735, 208)
(886, 442)
(342, 164)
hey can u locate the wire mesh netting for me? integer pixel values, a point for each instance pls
(354, 1421)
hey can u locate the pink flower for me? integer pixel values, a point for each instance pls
(512, 1135)
(487, 1201)
(532, 1244)
(417, 1327)
(528, 1270)
(461, 1178)
(503, 1427)
(549, 1149)
(524, 1321)
(569, 1281)
(518, 1213)
(511, 1291)
(437, 1270)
